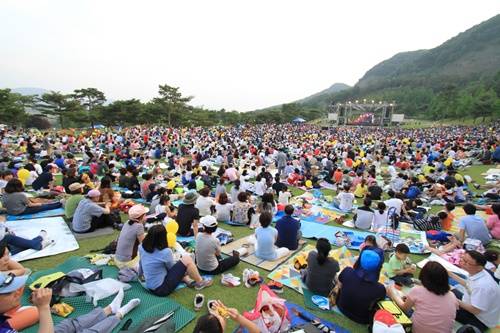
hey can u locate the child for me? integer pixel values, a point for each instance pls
(380, 218)
(344, 200)
(446, 223)
(400, 268)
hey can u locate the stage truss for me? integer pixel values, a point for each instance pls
(380, 113)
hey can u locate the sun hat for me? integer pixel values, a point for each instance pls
(190, 198)
(75, 186)
(137, 211)
(10, 282)
(93, 194)
(208, 221)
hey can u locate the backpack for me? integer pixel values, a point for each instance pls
(270, 313)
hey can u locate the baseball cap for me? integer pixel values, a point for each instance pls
(370, 260)
(10, 282)
(137, 211)
(208, 221)
(75, 186)
(94, 194)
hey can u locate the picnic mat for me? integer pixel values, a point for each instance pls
(251, 258)
(46, 213)
(415, 239)
(289, 276)
(151, 305)
(296, 320)
(315, 214)
(56, 229)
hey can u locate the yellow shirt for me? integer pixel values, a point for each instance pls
(23, 175)
(360, 191)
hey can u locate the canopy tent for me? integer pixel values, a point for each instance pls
(298, 120)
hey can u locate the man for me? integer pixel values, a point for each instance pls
(397, 203)
(480, 305)
(288, 230)
(188, 216)
(473, 226)
(70, 205)
(46, 179)
(89, 215)
(281, 162)
(11, 291)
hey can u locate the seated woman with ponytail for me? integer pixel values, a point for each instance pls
(321, 271)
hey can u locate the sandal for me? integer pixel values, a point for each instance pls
(199, 299)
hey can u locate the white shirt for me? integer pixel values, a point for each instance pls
(260, 187)
(396, 203)
(379, 220)
(203, 204)
(284, 197)
(223, 212)
(345, 200)
(485, 295)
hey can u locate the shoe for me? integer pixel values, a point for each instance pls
(275, 286)
(229, 280)
(44, 235)
(47, 242)
(203, 284)
(251, 278)
(246, 273)
(199, 299)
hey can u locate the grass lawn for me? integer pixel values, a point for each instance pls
(239, 297)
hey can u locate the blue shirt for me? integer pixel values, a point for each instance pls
(413, 192)
(155, 266)
(475, 227)
(5, 326)
(265, 243)
(288, 228)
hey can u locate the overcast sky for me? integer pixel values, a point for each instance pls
(230, 54)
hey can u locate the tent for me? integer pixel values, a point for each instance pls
(298, 120)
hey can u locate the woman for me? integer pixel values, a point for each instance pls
(242, 209)
(131, 235)
(223, 208)
(16, 202)
(321, 271)
(204, 203)
(493, 222)
(265, 238)
(361, 189)
(359, 289)
(69, 178)
(434, 304)
(208, 250)
(161, 272)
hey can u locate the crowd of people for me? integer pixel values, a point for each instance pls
(194, 179)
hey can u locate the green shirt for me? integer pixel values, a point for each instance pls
(394, 264)
(71, 204)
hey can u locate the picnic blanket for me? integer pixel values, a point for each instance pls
(150, 306)
(289, 276)
(251, 258)
(446, 264)
(315, 214)
(46, 213)
(415, 239)
(57, 230)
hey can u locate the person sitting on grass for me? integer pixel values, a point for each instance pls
(359, 289)
(70, 204)
(89, 216)
(16, 202)
(213, 322)
(479, 306)
(344, 200)
(161, 272)
(399, 268)
(188, 216)
(363, 219)
(473, 226)
(14, 318)
(321, 272)
(208, 250)
(131, 236)
(223, 208)
(265, 239)
(433, 304)
(288, 230)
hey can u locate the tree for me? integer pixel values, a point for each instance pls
(91, 99)
(124, 112)
(59, 105)
(38, 121)
(172, 101)
(11, 107)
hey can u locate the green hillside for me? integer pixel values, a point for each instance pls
(461, 77)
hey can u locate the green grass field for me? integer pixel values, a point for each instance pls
(239, 297)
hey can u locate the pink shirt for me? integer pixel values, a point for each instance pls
(433, 313)
(493, 224)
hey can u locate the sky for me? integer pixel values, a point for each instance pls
(236, 55)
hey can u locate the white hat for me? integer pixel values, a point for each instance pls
(208, 221)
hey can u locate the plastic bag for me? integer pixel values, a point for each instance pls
(100, 289)
(270, 313)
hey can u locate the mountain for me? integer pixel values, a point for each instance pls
(334, 88)
(30, 91)
(468, 56)
(413, 79)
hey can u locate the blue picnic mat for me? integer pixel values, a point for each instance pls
(336, 235)
(46, 213)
